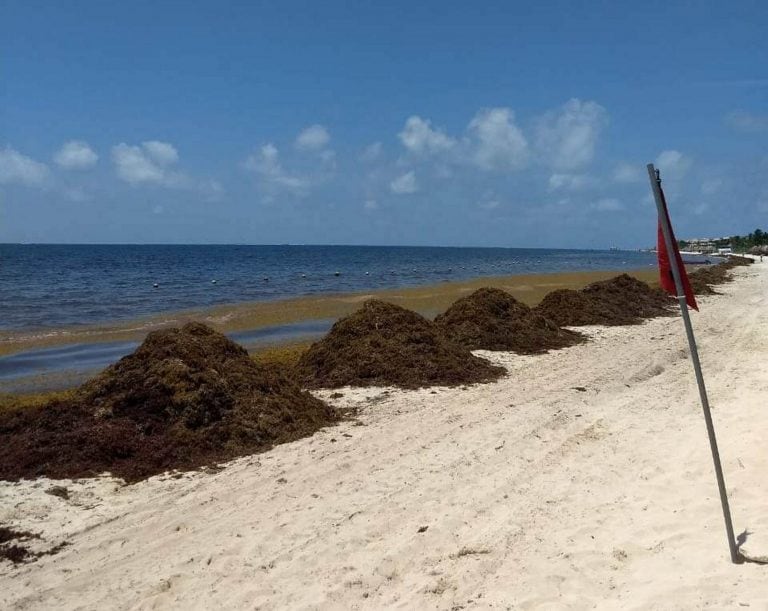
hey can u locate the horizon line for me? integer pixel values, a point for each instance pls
(304, 245)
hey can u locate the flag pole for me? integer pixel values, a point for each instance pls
(661, 207)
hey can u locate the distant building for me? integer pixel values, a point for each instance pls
(704, 245)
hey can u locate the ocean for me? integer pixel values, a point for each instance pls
(53, 286)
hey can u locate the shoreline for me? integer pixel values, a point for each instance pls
(428, 300)
(583, 477)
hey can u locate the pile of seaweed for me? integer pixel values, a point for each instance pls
(491, 319)
(738, 261)
(186, 397)
(703, 280)
(382, 344)
(622, 300)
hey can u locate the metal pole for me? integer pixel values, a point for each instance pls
(661, 207)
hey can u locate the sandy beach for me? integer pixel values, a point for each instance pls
(582, 479)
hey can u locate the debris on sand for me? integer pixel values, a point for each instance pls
(738, 260)
(14, 546)
(492, 319)
(10, 548)
(622, 300)
(703, 280)
(186, 397)
(382, 344)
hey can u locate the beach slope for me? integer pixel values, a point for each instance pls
(582, 479)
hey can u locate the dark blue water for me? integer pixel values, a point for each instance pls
(48, 286)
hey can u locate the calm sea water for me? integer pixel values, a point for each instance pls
(43, 286)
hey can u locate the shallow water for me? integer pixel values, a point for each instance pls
(67, 366)
(53, 286)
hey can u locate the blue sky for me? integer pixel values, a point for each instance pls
(442, 123)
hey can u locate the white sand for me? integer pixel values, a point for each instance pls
(535, 495)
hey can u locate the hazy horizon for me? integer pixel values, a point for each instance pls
(319, 245)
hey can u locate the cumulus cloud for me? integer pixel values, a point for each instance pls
(744, 121)
(568, 182)
(628, 173)
(313, 138)
(673, 164)
(16, 168)
(161, 153)
(566, 138)
(404, 184)
(266, 165)
(492, 141)
(496, 142)
(76, 155)
(421, 139)
(136, 165)
(153, 163)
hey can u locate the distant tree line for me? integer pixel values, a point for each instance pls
(739, 243)
(757, 238)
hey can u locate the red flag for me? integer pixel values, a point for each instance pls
(665, 270)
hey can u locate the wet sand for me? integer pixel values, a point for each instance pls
(427, 300)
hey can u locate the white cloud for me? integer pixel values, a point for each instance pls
(422, 140)
(372, 152)
(673, 164)
(404, 184)
(628, 173)
(566, 138)
(313, 138)
(607, 204)
(135, 166)
(492, 142)
(161, 153)
(744, 121)
(496, 141)
(76, 155)
(151, 163)
(371, 204)
(20, 169)
(266, 165)
(569, 182)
